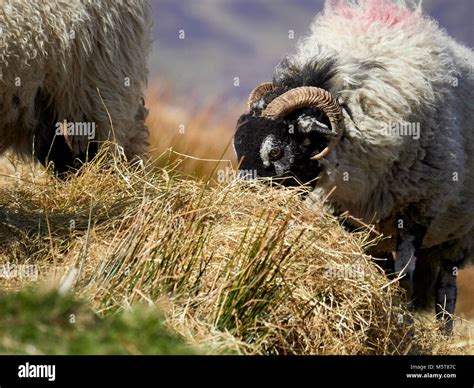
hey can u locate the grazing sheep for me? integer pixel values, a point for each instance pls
(72, 75)
(375, 111)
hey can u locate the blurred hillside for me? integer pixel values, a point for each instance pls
(224, 39)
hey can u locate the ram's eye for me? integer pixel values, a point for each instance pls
(276, 154)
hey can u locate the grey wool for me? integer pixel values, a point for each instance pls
(408, 135)
(78, 61)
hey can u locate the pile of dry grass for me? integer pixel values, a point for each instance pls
(236, 266)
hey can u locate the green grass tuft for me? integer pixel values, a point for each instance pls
(45, 323)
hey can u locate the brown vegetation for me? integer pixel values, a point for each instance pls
(236, 266)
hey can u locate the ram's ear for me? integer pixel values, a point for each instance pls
(307, 124)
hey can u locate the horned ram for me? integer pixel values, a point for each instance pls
(375, 112)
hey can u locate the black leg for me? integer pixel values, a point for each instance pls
(409, 240)
(52, 148)
(390, 266)
(445, 294)
(384, 260)
(424, 279)
(57, 151)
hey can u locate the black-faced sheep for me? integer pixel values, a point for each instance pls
(72, 76)
(375, 110)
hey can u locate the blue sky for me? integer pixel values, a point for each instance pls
(225, 39)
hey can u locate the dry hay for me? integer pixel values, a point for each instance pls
(236, 266)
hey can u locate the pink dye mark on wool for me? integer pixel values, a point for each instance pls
(374, 11)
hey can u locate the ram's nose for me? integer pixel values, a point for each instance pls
(270, 169)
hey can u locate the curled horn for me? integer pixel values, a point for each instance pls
(259, 92)
(307, 96)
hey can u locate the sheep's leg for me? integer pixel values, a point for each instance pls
(445, 294)
(51, 148)
(409, 240)
(424, 279)
(56, 150)
(389, 266)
